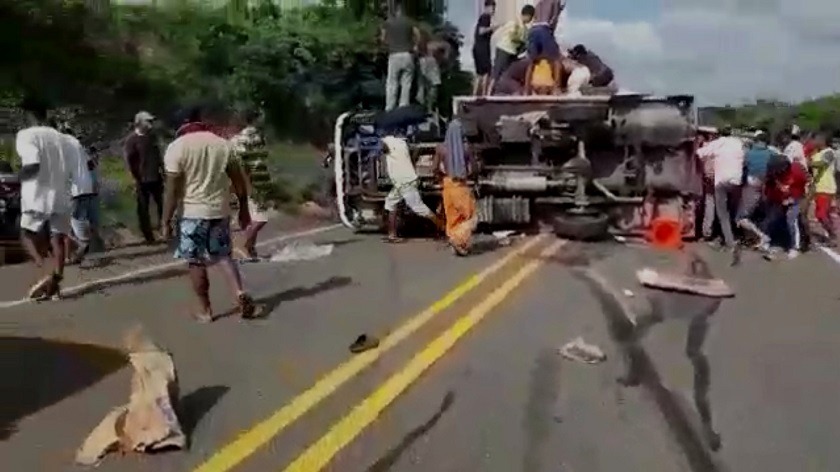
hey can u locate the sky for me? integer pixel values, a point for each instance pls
(721, 51)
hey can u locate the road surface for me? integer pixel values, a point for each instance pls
(468, 375)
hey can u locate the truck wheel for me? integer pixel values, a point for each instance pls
(582, 227)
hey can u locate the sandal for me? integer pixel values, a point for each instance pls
(364, 343)
(393, 239)
(247, 308)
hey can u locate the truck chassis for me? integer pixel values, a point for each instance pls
(588, 166)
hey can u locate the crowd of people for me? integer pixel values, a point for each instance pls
(771, 191)
(190, 181)
(528, 59)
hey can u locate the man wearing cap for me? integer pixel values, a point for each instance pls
(145, 163)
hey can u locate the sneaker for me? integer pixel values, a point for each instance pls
(793, 254)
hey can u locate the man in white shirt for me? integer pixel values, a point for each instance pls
(795, 151)
(727, 155)
(404, 180)
(46, 173)
(85, 206)
(200, 168)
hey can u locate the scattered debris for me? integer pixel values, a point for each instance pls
(709, 287)
(504, 238)
(364, 343)
(578, 350)
(314, 210)
(629, 293)
(148, 422)
(302, 252)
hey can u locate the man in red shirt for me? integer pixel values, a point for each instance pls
(784, 189)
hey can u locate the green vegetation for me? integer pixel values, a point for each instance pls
(100, 62)
(821, 114)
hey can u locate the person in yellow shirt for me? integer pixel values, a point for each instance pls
(824, 185)
(511, 43)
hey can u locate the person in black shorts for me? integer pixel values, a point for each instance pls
(481, 48)
(601, 74)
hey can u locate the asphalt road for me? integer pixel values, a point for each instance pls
(468, 375)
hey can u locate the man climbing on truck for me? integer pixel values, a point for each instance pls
(601, 75)
(511, 43)
(484, 29)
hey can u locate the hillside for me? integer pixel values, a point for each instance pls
(821, 114)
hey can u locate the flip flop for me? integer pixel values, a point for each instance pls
(393, 240)
(364, 343)
(248, 309)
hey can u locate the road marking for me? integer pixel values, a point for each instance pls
(248, 442)
(319, 454)
(162, 267)
(831, 253)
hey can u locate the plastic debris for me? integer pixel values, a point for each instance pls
(302, 252)
(629, 293)
(620, 239)
(580, 351)
(504, 238)
(715, 288)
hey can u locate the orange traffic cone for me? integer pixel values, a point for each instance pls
(665, 233)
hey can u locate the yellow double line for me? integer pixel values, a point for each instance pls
(339, 435)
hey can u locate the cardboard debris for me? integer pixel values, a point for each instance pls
(715, 288)
(148, 422)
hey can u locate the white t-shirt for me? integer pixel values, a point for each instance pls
(83, 182)
(795, 152)
(398, 161)
(49, 191)
(202, 159)
(727, 153)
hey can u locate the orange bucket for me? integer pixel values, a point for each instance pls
(665, 233)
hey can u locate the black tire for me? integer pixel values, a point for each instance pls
(582, 227)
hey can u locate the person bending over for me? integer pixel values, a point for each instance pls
(404, 179)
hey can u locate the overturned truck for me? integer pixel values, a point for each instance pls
(588, 166)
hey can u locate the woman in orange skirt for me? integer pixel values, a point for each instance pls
(452, 161)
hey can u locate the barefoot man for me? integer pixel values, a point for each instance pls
(200, 167)
(458, 200)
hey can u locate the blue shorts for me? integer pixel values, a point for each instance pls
(541, 43)
(202, 240)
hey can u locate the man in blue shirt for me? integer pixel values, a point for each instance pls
(756, 160)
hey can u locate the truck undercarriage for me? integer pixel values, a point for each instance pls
(586, 165)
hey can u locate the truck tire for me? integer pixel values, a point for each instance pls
(581, 227)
